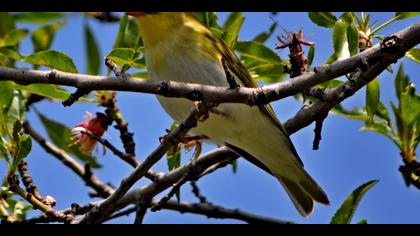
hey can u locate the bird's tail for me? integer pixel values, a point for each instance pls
(304, 192)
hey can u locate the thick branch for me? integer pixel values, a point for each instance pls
(334, 96)
(408, 38)
(222, 154)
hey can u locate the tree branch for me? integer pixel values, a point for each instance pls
(218, 212)
(90, 180)
(407, 39)
(108, 206)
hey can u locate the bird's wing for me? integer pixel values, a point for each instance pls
(237, 68)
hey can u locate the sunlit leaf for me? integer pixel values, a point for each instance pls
(24, 147)
(414, 54)
(38, 17)
(400, 81)
(16, 110)
(207, 18)
(355, 114)
(262, 37)
(230, 20)
(381, 129)
(10, 53)
(331, 83)
(232, 28)
(126, 56)
(173, 157)
(93, 56)
(362, 222)
(43, 37)
(340, 42)
(52, 59)
(311, 55)
(6, 23)
(372, 98)
(345, 213)
(405, 15)
(14, 37)
(128, 33)
(323, 19)
(382, 112)
(49, 91)
(353, 39)
(257, 51)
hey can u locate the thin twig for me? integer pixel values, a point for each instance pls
(92, 181)
(27, 180)
(108, 206)
(196, 192)
(177, 186)
(218, 212)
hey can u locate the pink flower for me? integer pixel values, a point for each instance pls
(95, 125)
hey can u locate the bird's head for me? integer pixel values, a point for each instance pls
(155, 26)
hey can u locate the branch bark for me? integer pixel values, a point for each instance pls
(407, 39)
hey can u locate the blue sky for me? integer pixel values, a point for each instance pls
(347, 157)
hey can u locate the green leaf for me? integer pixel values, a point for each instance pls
(24, 148)
(16, 110)
(414, 54)
(6, 91)
(232, 28)
(14, 37)
(209, 19)
(410, 106)
(50, 91)
(52, 59)
(381, 129)
(128, 34)
(22, 145)
(372, 98)
(400, 81)
(405, 15)
(331, 83)
(93, 56)
(43, 37)
(311, 54)
(345, 213)
(353, 39)
(10, 53)
(262, 37)
(38, 17)
(126, 56)
(340, 42)
(383, 113)
(60, 135)
(331, 59)
(362, 222)
(355, 114)
(6, 23)
(140, 75)
(257, 51)
(323, 19)
(230, 20)
(269, 72)
(173, 157)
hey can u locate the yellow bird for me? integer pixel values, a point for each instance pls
(179, 47)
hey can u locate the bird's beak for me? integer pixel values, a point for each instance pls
(136, 14)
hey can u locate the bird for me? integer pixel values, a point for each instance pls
(178, 47)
